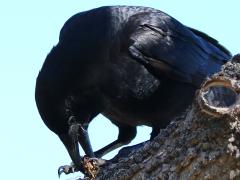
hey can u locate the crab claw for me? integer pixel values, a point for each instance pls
(66, 169)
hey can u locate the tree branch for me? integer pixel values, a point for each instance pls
(202, 143)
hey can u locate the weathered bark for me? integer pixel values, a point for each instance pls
(202, 143)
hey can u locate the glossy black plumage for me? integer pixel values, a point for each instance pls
(135, 65)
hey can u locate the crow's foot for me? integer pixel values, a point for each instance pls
(90, 165)
(67, 169)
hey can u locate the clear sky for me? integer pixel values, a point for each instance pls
(28, 30)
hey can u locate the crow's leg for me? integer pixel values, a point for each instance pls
(70, 140)
(126, 134)
(127, 150)
(83, 139)
(90, 163)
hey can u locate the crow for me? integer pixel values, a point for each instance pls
(135, 65)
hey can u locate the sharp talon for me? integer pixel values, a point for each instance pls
(65, 169)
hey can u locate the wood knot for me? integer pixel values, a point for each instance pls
(219, 96)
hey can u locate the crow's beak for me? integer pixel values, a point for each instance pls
(70, 140)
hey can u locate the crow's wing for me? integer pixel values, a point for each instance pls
(168, 48)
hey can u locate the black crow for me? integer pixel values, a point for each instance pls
(135, 65)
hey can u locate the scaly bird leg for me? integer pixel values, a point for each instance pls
(126, 134)
(84, 140)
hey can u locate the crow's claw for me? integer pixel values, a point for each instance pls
(66, 169)
(90, 167)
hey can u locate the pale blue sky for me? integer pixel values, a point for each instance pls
(28, 30)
